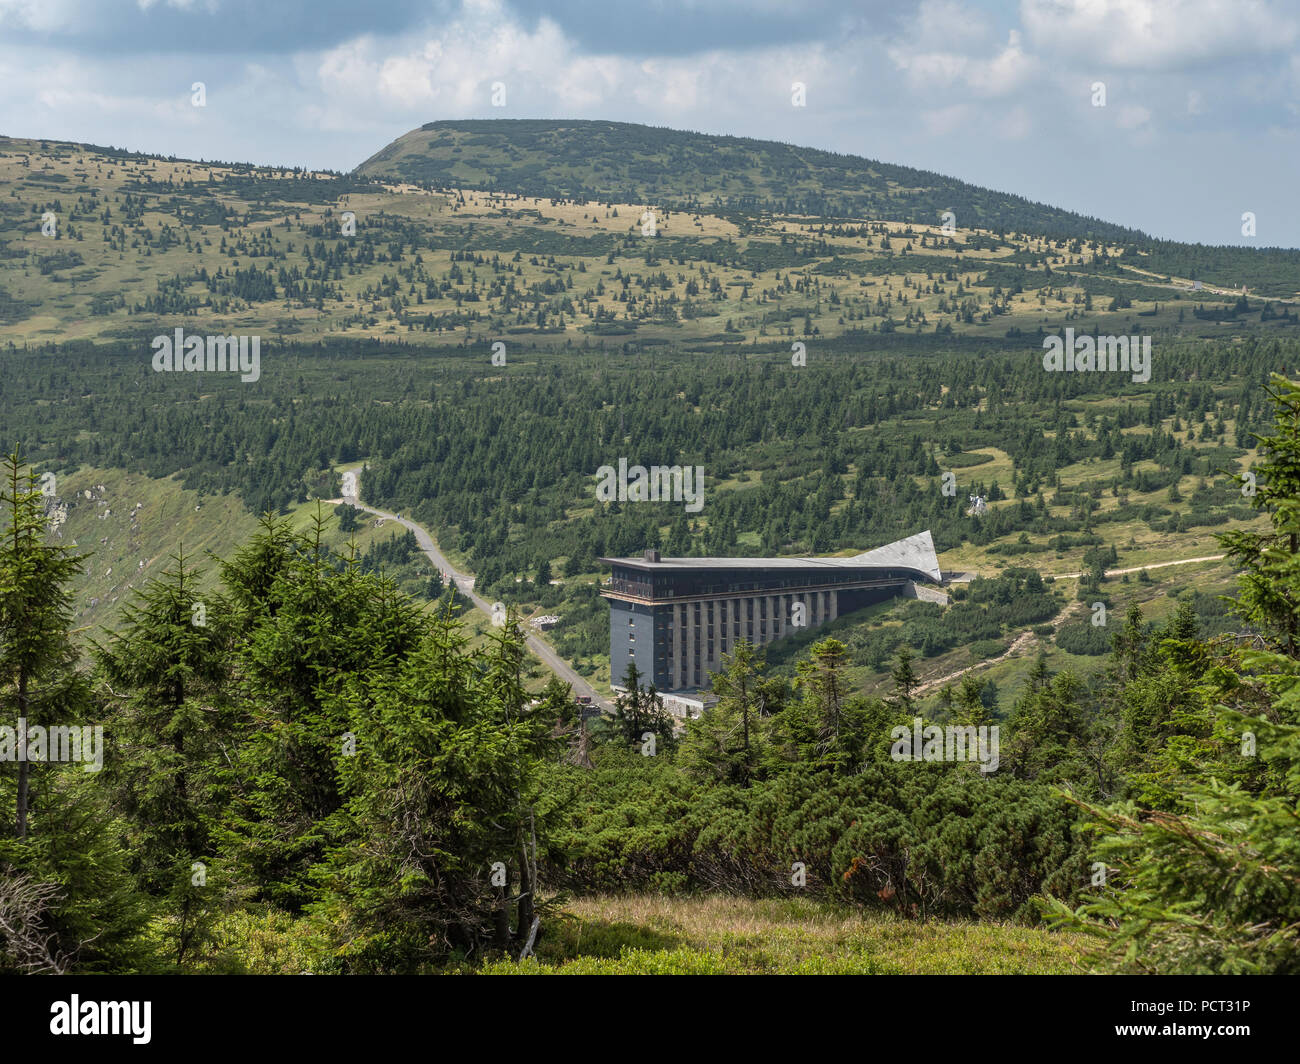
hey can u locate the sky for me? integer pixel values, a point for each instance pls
(1197, 128)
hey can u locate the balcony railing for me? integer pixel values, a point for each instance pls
(640, 588)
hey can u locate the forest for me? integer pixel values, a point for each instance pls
(850, 452)
(317, 757)
(314, 757)
(869, 430)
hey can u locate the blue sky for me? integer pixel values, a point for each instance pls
(1199, 123)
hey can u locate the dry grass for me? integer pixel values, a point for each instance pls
(646, 933)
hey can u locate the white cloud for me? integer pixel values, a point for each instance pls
(455, 67)
(447, 70)
(1157, 34)
(1004, 72)
(945, 120)
(180, 5)
(947, 47)
(948, 21)
(40, 15)
(1016, 124)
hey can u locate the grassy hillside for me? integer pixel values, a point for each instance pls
(743, 178)
(627, 162)
(104, 245)
(129, 527)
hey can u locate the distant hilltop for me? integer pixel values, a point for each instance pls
(630, 163)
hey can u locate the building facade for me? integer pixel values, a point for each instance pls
(677, 617)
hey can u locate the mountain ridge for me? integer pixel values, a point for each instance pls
(604, 160)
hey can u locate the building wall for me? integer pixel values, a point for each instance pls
(676, 644)
(632, 637)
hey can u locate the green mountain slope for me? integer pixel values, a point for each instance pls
(635, 163)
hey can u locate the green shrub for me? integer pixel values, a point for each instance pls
(1084, 638)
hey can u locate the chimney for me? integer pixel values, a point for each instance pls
(651, 555)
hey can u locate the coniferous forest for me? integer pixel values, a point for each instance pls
(325, 766)
(338, 636)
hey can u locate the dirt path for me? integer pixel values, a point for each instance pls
(1023, 640)
(1139, 568)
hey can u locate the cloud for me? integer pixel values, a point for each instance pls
(447, 70)
(40, 16)
(181, 5)
(1016, 124)
(950, 47)
(241, 27)
(453, 66)
(664, 28)
(1158, 34)
(944, 120)
(989, 92)
(1132, 116)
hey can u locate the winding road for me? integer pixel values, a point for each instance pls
(562, 669)
(465, 585)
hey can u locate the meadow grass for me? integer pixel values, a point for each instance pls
(645, 934)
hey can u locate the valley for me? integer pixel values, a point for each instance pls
(360, 417)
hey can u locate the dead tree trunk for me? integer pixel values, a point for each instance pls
(24, 766)
(526, 887)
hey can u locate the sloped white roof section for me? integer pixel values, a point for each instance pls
(914, 552)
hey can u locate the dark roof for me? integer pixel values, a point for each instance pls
(915, 552)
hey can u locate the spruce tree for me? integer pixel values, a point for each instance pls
(825, 727)
(728, 743)
(1267, 590)
(38, 658)
(639, 709)
(309, 624)
(441, 807)
(61, 861)
(166, 676)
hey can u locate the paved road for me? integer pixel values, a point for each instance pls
(465, 585)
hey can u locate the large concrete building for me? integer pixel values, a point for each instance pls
(677, 617)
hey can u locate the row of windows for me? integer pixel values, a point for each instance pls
(720, 583)
(674, 644)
